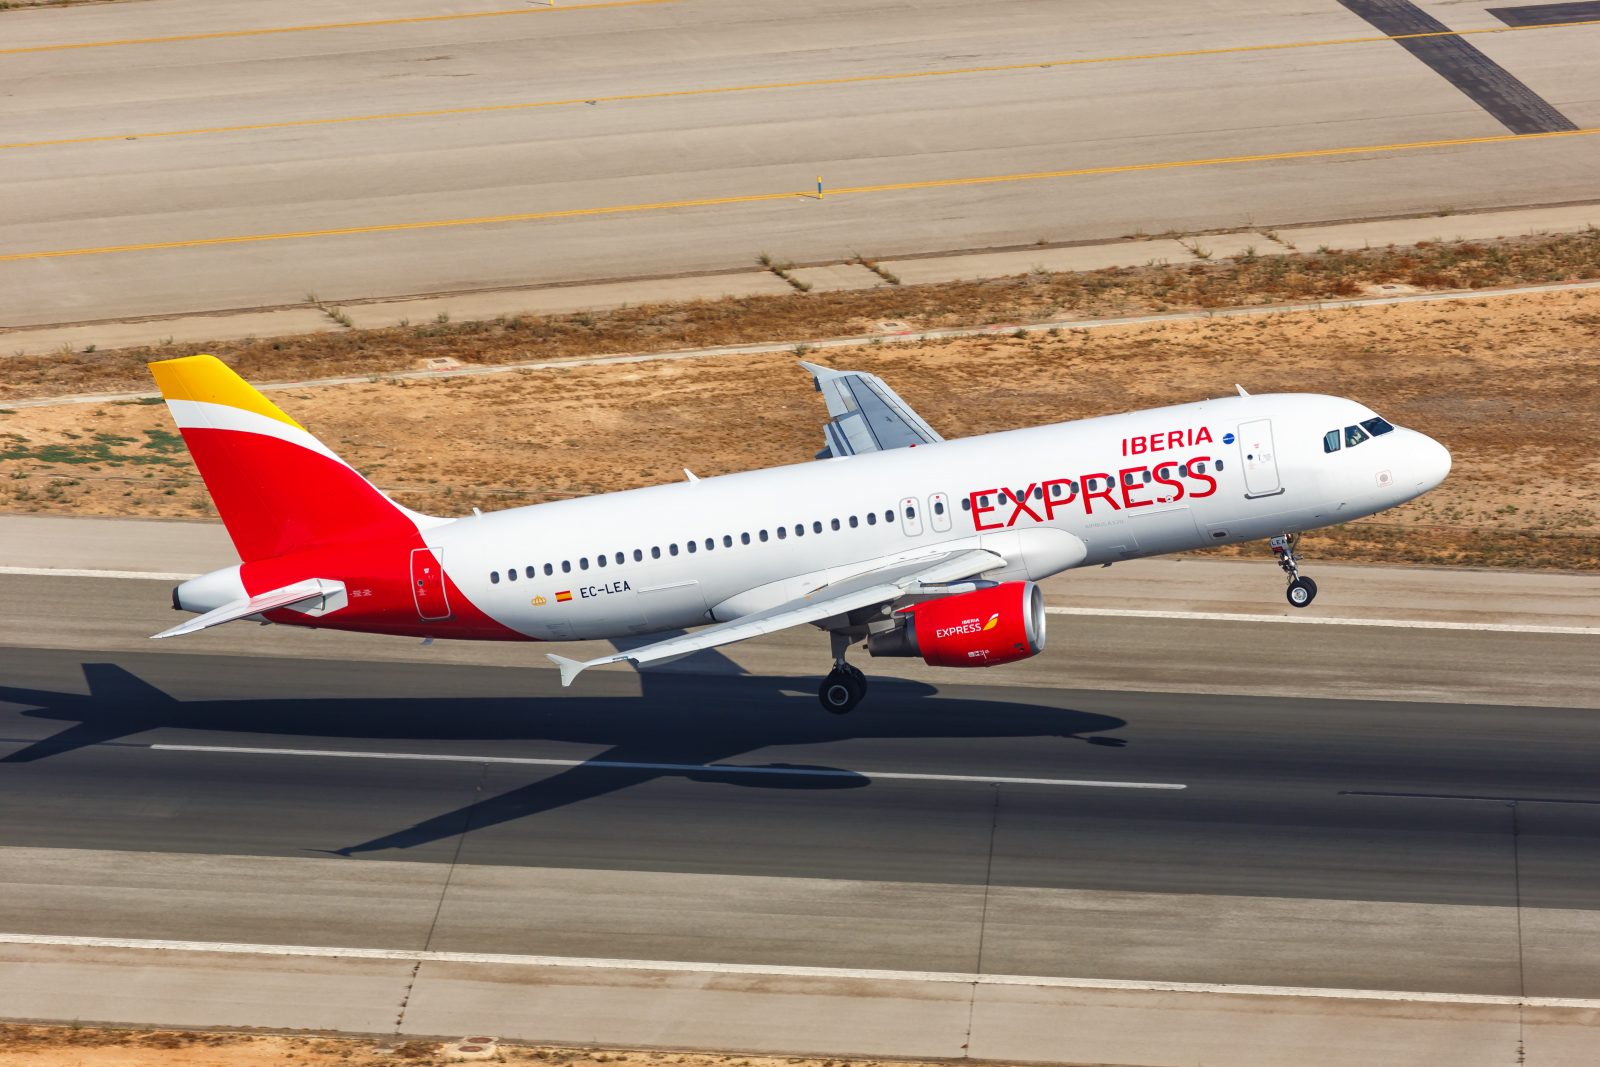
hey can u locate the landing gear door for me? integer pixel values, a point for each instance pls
(1259, 459)
(427, 584)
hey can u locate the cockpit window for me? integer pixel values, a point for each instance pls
(1376, 427)
(1330, 441)
(1354, 435)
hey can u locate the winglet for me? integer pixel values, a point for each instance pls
(570, 668)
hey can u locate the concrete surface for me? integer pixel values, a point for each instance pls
(1265, 870)
(560, 299)
(567, 162)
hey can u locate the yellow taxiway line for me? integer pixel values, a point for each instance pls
(265, 31)
(666, 94)
(833, 194)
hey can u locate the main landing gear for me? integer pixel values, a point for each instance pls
(1302, 591)
(845, 685)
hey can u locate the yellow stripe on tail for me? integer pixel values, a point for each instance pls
(207, 379)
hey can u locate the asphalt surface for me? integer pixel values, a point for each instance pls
(1268, 809)
(1362, 808)
(374, 180)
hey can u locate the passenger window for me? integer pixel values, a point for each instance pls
(872, 518)
(672, 549)
(853, 522)
(1376, 427)
(691, 546)
(888, 515)
(511, 574)
(583, 563)
(711, 542)
(783, 531)
(727, 540)
(566, 566)
(966, 504)
(1330, 441)
(1147, 477)
(763, 535)
(549, 570)
(600, 560)
(799, 529)
(816, 526)
(621, 559)
(1199, 468)
(834, 524)
(938, 509)
(638, 555)
(1219, 464)
(911, 512)
(1183, 470)
(1353, 435)
(655, 551)
(744, 539)
(494, 578)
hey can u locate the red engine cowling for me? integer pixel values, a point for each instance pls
(983, 628)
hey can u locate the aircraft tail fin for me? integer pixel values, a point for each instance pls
(277, 488)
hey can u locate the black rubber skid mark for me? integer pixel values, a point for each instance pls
(1485, 82)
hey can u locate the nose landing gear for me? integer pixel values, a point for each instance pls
(1302, 591)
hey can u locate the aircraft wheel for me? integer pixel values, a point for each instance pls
(840, 692)
(1302, 591)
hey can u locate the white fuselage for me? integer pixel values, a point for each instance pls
(1097, 491)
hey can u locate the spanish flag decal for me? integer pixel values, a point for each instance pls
(563, 596)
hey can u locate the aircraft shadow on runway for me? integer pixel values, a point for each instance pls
(687, 720)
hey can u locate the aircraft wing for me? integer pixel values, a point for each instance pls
(880, 586)
(865, 414)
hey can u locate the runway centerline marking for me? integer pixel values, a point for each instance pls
(781, 970)
(677, 768)
(833, 195)
(310, 27)
(667, 94)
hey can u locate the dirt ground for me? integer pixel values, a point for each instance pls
(75, 1046)
(1508, 383)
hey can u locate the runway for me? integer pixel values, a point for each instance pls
(1413, 833)
(167, 157)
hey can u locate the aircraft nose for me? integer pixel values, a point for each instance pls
(1431, 462)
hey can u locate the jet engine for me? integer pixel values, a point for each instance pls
(986, 627)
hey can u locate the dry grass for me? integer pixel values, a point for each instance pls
(81, 1046)
(653, 328)
(1508, 383)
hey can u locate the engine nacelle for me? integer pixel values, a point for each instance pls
(983, 628)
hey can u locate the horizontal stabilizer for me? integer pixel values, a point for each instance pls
(286, 597)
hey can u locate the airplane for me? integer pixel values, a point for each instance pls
(892, 536)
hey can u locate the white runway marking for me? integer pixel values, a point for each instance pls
(783, 971)
(680, 768)
(1322, 620)
(1110, 613)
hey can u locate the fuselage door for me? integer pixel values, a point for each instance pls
(911, 517)
(427, 584)
(1259, 458)
(939, 512)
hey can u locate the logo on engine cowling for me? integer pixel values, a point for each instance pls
(968, 626)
